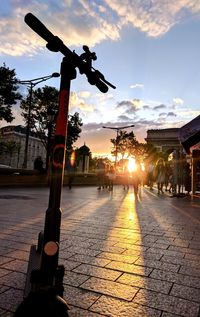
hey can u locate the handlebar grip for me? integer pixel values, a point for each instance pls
(101, 86)
(37, 26)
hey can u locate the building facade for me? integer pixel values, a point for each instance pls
(165, 140)
(14, 157)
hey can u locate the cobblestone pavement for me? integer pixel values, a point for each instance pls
(123, 256)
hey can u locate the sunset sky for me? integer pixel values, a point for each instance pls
(149, 49)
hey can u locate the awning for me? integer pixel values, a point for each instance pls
(189, 134)
(193, 140)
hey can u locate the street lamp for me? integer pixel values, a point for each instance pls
(32, 83)
(118, 129)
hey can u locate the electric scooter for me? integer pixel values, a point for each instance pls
(43, 294)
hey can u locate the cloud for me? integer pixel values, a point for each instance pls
(159, 107)
(131, 105)
(178, 101)
(76, 102)
(75, 22)
(145, 107)
(171, 114)
(153, 17)
(79, 21)
(163, 114)
(123, 118)
(141, 86)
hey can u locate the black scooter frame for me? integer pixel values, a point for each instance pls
(43, 295)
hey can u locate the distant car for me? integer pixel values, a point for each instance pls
(5, 166)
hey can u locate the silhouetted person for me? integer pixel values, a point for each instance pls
(160, 175)
(111, 177)
(150, 175)
(101, 174)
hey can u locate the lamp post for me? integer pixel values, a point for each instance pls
(118, 129)
(32, 83)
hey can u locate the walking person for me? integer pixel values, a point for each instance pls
(160, 175)
(126, 177)
(111, 177)
(101, 174)
(150, 175)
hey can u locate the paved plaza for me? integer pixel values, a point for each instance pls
(123, 255)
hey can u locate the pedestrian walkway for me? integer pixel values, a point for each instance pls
(123, 256)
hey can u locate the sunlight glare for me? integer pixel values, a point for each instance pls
(132, 165)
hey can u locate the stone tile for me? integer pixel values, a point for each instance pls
(81, 244)
(11, 299)
(186, 292)
(3, 288)
(184, 250)
(158, 265)
(82, 251)
(192, 257)
(179, 261)
(131, 247)
(79, 297)
(14, 279)
(97, 272)
(194, 245)
(5, 259)
(166, 252)
(149, 238)
(118, 257)
(68, 264)
(16, 265)
(20, 255)
(74, 279)
(129, 268)
(112, 307)
(176, 278)
(165, 240)
(188, 270)
(150, 256)
(132, 252)
(167, 303)
(5, 250)
(164, 314)
(145, 282)
(98, 261)
(110, 288)
(181, 243)
(107, 248)
(64, 254)
(3, 272)
(78, 312)
(158, 245)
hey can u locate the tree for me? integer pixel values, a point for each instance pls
(73, 129)
(8, 93)
(44, 101)
(125, 144)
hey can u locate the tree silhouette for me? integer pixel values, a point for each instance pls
(45, 100)
(8, 93)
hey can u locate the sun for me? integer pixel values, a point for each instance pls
(132, 166)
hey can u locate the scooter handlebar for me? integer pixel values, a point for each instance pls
(55, 44)
(37, 26)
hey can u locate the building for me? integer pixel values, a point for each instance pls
(181, 140)
(165, 140)
(15, 156)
